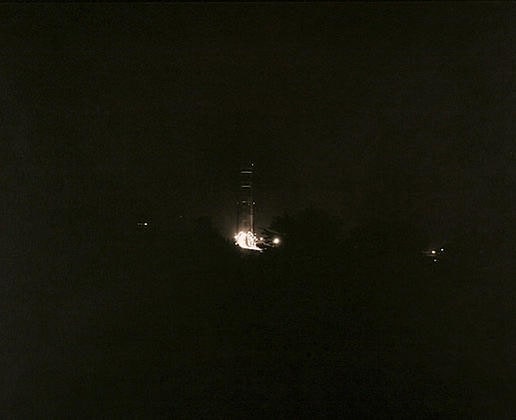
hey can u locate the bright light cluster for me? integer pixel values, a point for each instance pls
(246, 240)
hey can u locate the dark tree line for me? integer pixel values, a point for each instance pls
(175, 320)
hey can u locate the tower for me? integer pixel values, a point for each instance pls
(245, 205)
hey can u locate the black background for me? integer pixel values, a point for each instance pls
(391, 123)
(356, 108)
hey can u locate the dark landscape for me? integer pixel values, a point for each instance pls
(383, 136)
(153, 325)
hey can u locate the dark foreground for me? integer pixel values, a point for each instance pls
(150, 326)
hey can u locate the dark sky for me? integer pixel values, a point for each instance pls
(364, 109)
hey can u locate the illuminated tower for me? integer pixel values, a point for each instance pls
(245, 205)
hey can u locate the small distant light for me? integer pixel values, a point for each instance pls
(276, 241)
(261, 239)
(435, 259)
(433, 251)
(145, 224)
(442, 249)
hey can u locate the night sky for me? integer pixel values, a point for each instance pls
(378, 131)
(123, 111)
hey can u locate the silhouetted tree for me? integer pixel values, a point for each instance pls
(310, 232)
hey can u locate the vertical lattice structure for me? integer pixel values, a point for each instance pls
(245, 209)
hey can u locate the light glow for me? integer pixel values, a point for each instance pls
(276, 241)
(246, 240)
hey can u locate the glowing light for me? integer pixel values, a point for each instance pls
(433, 251)
(276, 241)
(442, 249)
(145, 224)
(246, 240)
